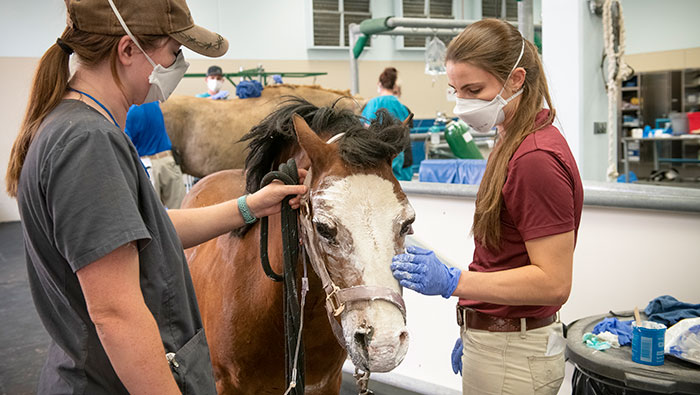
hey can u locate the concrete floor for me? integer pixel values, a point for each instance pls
(23, 340)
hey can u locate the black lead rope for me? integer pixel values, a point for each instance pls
(290, 250)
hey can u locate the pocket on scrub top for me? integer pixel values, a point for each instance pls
(191, 366)
(547, 373)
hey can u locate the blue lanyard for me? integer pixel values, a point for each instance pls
(98, 103)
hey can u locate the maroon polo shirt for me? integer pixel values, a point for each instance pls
(542, 196)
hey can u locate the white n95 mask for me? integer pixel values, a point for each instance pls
(483, 115)
(163, 80)
(214, 85)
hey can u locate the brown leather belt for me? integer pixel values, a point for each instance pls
(473, 319)
(161, 154)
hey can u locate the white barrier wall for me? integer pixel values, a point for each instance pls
(623, 258)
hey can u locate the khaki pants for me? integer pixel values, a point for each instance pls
(167, 181)
(511, 362)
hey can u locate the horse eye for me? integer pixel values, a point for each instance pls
(326, 231)
(407, 228)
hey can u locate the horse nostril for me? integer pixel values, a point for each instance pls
(361, 340)
(403, 337)
(363, 335)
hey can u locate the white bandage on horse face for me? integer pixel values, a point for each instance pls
(367, 236)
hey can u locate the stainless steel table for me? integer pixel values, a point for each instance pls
(655, 140)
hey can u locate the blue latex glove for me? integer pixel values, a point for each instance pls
(457, 357)
(421, 271)
(623, 329)
(219, 96)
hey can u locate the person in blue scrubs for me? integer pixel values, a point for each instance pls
(215, 80)
(388, 90)
(145, 127)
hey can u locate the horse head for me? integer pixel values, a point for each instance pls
(354, 219)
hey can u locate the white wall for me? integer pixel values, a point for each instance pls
(29, 27)
(594, 104)
(261, 29)
(562, 60)
(624, 258)
(273, 29)
(653, 25)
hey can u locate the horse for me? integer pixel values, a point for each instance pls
(354, 218)
(205, 133)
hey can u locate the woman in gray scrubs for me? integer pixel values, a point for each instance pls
(105, 259)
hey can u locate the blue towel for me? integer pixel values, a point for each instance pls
(623, 329)
(668, 310)
(246, 89)
(452, 171)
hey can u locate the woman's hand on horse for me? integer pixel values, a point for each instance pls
(421, 271)
(302, 175)
(267, 200)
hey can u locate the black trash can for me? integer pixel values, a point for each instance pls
(612, 372)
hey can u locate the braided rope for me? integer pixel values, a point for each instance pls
(618, 71)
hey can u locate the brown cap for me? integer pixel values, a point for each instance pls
(146, 17)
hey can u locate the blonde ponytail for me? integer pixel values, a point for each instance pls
(494, 45)
(49, 87)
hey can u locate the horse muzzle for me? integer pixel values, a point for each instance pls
(376, 336)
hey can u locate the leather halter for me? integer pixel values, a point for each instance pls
(339, 299)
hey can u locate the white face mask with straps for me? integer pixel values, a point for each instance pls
(483, 115)
(163, 80)
(214, 85)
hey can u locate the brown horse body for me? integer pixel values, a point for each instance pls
(206, 132)
(242, 308)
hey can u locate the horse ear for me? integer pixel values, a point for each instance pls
(308, 140)
(408, 122)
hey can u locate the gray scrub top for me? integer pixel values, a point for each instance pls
(82, 193)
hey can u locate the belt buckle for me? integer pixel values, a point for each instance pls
(460, 315)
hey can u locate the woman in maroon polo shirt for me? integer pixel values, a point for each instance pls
(528, 211)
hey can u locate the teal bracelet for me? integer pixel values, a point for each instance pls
(243, 208)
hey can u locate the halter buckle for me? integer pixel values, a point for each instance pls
(333, 303)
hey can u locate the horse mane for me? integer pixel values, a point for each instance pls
(360, 147)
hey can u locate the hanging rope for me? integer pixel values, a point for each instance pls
(304, 290)
(618, 71)
(293, 312)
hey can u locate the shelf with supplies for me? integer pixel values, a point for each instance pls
(664, 101)
(690, 99)
(630, 109)
(632, 147)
